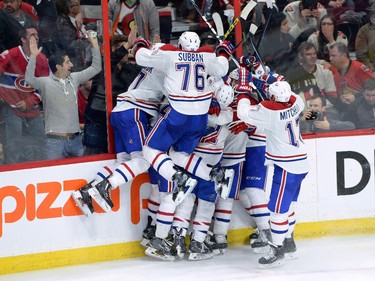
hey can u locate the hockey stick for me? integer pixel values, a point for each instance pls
(270, 6)
(252, 30)
(212, 29)
(219, 24)
(244, 13)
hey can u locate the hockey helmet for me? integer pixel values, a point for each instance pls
(281, 91)
(224, 95)
(189, 41)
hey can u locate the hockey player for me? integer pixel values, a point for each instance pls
(210, 148)
(253, 186)
(186, 69)
(285, 150)
(131, 119)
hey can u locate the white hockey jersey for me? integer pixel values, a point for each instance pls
(186, 75)
(145, 92)
(284, 144)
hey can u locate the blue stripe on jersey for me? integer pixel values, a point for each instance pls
(180, 99)
(164, 222)
(151, 211)
(141, 105)
(161, 163)
(279, 231)
(101, 175)
(286, 160)
(260, 215)
(222, 220)
(196, 165)
(122, 174)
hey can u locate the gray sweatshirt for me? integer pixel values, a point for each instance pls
(60, 96)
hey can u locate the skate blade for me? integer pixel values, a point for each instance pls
(291, 256)
(191, 183)
(95, 195)
(227, 186)
(261, 250)
(199, 256)
(274, 264)
(157, 254)
(180, 253)
(77, 197)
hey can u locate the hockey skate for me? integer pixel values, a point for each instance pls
(83, 199)
(179, 242)
(219, 245)
(254, 235)
(184, 185)
(223, 179)
(274, 258)
(162, 249)
(101, 195)
(148, 233)
(199, 251)
(290, 249)
(260, 245)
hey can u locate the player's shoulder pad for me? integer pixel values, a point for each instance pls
(205, 49)
(169, 47)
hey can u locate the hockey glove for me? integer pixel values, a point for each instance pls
(140, 43)
(214, 107)
(247, 62)
(226, 48)
(237, 127)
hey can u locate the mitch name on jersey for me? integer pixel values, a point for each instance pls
(290, 112)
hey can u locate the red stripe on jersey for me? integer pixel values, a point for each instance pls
(129, 170)
(281, 192)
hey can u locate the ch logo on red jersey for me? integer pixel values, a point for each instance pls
(21, 85)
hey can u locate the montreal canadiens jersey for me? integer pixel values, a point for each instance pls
(145, 92)
(186, 75)
(13, 86)
(284, 144)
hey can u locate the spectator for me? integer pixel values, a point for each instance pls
(47, 15)
(1, 154)
(277, 42)
(23, 12)
(362, 111)
(308, 75)
(123, 74)
(10, 29)
(59, 95)
(319, 118)
(326, 35)
(70, 34)
(21, 108)
(365, 40)
(303, 15)
(165, 18)
(127, 13)
(82, 95)
(349, 75)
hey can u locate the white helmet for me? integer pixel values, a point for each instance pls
(189, 41)
(234, 74)
(280, 90)
(224, 95)
(214, 82)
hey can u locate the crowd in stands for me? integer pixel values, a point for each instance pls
(324, 49)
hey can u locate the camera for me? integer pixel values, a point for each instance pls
(93, 34)
(316, 116)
